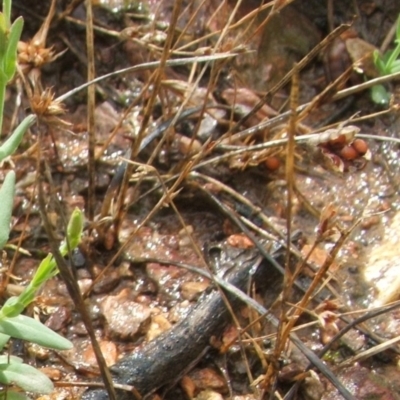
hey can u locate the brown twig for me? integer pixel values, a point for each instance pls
(74, 290)
(91, 103)
(286, 79)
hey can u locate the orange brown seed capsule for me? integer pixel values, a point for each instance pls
(272, 163)
(338, 142)
(349, 153)
(360, 146)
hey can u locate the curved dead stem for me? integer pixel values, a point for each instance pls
(72, 284)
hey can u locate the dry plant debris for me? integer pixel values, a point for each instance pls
(200, 110)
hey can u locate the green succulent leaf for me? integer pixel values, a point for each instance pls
(25, 328)
(12, 143)
(6, 201)
(26, 377)
(8, 359)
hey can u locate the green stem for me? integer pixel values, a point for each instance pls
(7, 11)
(2, 100)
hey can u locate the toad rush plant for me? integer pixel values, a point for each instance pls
(12, 324)
(386, 64)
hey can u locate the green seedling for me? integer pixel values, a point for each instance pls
(386, 64)
(12, 323)
(47, 269)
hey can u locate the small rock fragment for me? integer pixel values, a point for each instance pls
(240, 241)
(53, 373)
(179, 311)
(158, 325)
(208, 395)
(161, 273)
(37, 351)
(124, 317)
(192, 290)
(84, 285)
(188, 386)
(208, 379)
(59, 319)
(109, 350)
(107, 283)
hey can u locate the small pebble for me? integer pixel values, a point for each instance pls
(208, 379)
(192, 290)
(109, 350)
(158, 325)
(188, 386)
(107, 283)
(124, 317)
(208, 395)
(240, 241)
(59, 319)
(53, 373)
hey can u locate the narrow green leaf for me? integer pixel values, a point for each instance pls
(395, 67)
(7, 12)
(26, 377)
(12, 143)
(392, 57)
(6, 201)
(10, 62)
(386, 56)
(398, 29)
(379, 63)
(3, 85)
(46, 270)
(3, 37)
(22, 327)
(3, 23)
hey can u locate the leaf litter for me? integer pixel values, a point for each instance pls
(131, 255)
